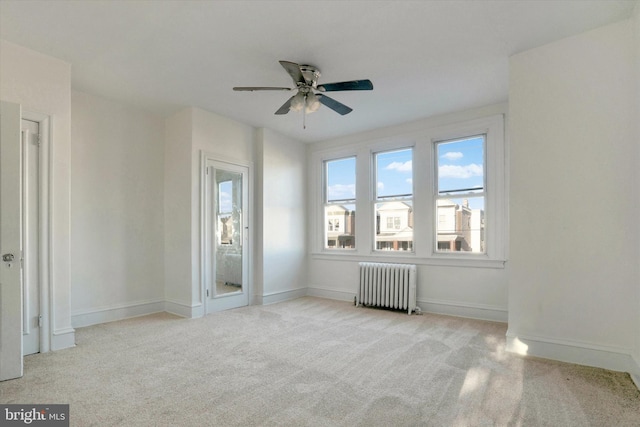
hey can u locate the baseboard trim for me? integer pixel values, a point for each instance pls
(80, 319)
(450, 308)
(635, 372)
(279, 296)
(580, 353)
(256, 299)
(636, 380)
(63, 338)
(334, 294)
(471, 311)
(182, 309)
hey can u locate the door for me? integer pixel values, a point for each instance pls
(30, 237)
(10, 240)
(226, 236)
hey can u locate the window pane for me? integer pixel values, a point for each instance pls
(225, 211)
(339, 207)
(341, 180)
(394, 207)
(394, 226)
(460, 201)
(461, 165)
(340, 223)
(225, 190)
(394, 174)
(461, 225)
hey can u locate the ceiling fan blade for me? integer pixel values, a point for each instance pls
(285, 107)
(336, 106)
(294, 71)
(252, 88)
(350, 85)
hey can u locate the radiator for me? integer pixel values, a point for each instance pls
(387, 285)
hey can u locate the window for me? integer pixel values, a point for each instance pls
(393, 205)
(454, 215)
(339, 204)
(460, 195)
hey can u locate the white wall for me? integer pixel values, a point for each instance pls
(281, 240)
(636, 20)
(574, 229)
(177, 212)
(117, 210)
(474, 290)
(187, 134)
(43, 84)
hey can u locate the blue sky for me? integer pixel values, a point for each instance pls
(341, 179)
(394, 173)
(460, 166)
(224, 197)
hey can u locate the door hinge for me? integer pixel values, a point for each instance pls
(40, 321)
(207, 293)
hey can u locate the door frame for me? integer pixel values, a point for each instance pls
(44, 226)
(247, 284)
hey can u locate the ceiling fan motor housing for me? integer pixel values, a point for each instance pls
(311, 74)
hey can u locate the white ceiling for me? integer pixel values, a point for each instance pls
(423, 57)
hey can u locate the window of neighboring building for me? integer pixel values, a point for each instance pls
(394, 200)
(460, 195)
(340, 203)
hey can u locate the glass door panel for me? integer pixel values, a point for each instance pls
(229, 230)
(226, 236)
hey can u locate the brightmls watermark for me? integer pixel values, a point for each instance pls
(34, 415)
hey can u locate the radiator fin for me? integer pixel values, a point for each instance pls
(387, 285)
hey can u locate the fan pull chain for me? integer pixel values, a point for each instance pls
(304, 113)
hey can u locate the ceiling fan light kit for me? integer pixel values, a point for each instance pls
(306, 99)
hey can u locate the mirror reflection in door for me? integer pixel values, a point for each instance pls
(228, 233)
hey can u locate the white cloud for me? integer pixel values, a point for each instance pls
(381, 186)
(452, 155)
(341, 191)
(454, 171)
(409, 181)
(399, 166)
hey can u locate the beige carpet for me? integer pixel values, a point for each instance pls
(316, 362)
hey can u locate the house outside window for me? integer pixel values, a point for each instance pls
(339, 203)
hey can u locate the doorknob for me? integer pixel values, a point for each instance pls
(7, 257)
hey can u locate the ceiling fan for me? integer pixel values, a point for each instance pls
(306, 99)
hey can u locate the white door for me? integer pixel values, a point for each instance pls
(30, 237)
(226, 236)
(10, 239)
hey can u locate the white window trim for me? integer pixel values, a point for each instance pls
(318, 237)
(495, 188)
(424, 248)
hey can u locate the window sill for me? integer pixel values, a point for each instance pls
(472, 261)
